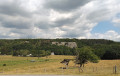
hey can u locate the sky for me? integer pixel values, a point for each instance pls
(82, 19)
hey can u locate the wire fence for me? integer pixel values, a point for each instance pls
(71, 70)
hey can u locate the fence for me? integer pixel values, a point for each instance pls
(71, 70)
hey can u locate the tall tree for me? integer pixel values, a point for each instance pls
(84, 55)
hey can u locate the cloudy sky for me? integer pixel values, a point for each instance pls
(83, 19)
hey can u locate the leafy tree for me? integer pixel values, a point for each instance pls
(42, 53)
(24, 52)
(84, 55)
(47, 53)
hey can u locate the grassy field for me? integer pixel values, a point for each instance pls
(52, 65)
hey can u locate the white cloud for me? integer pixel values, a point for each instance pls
(54, 15)
(116, 22)
(52, 19)
(111, 35)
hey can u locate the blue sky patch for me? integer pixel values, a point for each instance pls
(104, 26)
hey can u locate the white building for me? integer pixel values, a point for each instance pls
(52, 53)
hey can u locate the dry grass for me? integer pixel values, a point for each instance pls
(52, 65)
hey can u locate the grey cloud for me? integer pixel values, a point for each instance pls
(65, 5)
(99, 15)
(16, 24)
(75, 33)
(14, 16)
(18, 31)
(58, 23)
(71, 34)
(103, 10)
(65, 21)
(42, 25)
(23, 33)
(13, 9)
(27, 36)
(4, 36)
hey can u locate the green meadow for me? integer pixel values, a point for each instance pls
(52, 65)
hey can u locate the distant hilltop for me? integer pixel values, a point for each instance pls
(68, 44)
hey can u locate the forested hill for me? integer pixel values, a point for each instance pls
(105, 49)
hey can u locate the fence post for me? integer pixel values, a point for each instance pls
(62, 70)
(96, 68)
(3, 71)
(93, 69)
(29, 70)
(45, 70)
(115, 69)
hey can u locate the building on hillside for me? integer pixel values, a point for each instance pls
(29, 55)
(68, 44)
(26, 42)
(52, 53)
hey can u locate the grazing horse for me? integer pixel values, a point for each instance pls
(66, 62)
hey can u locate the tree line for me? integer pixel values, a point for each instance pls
(104, 49)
